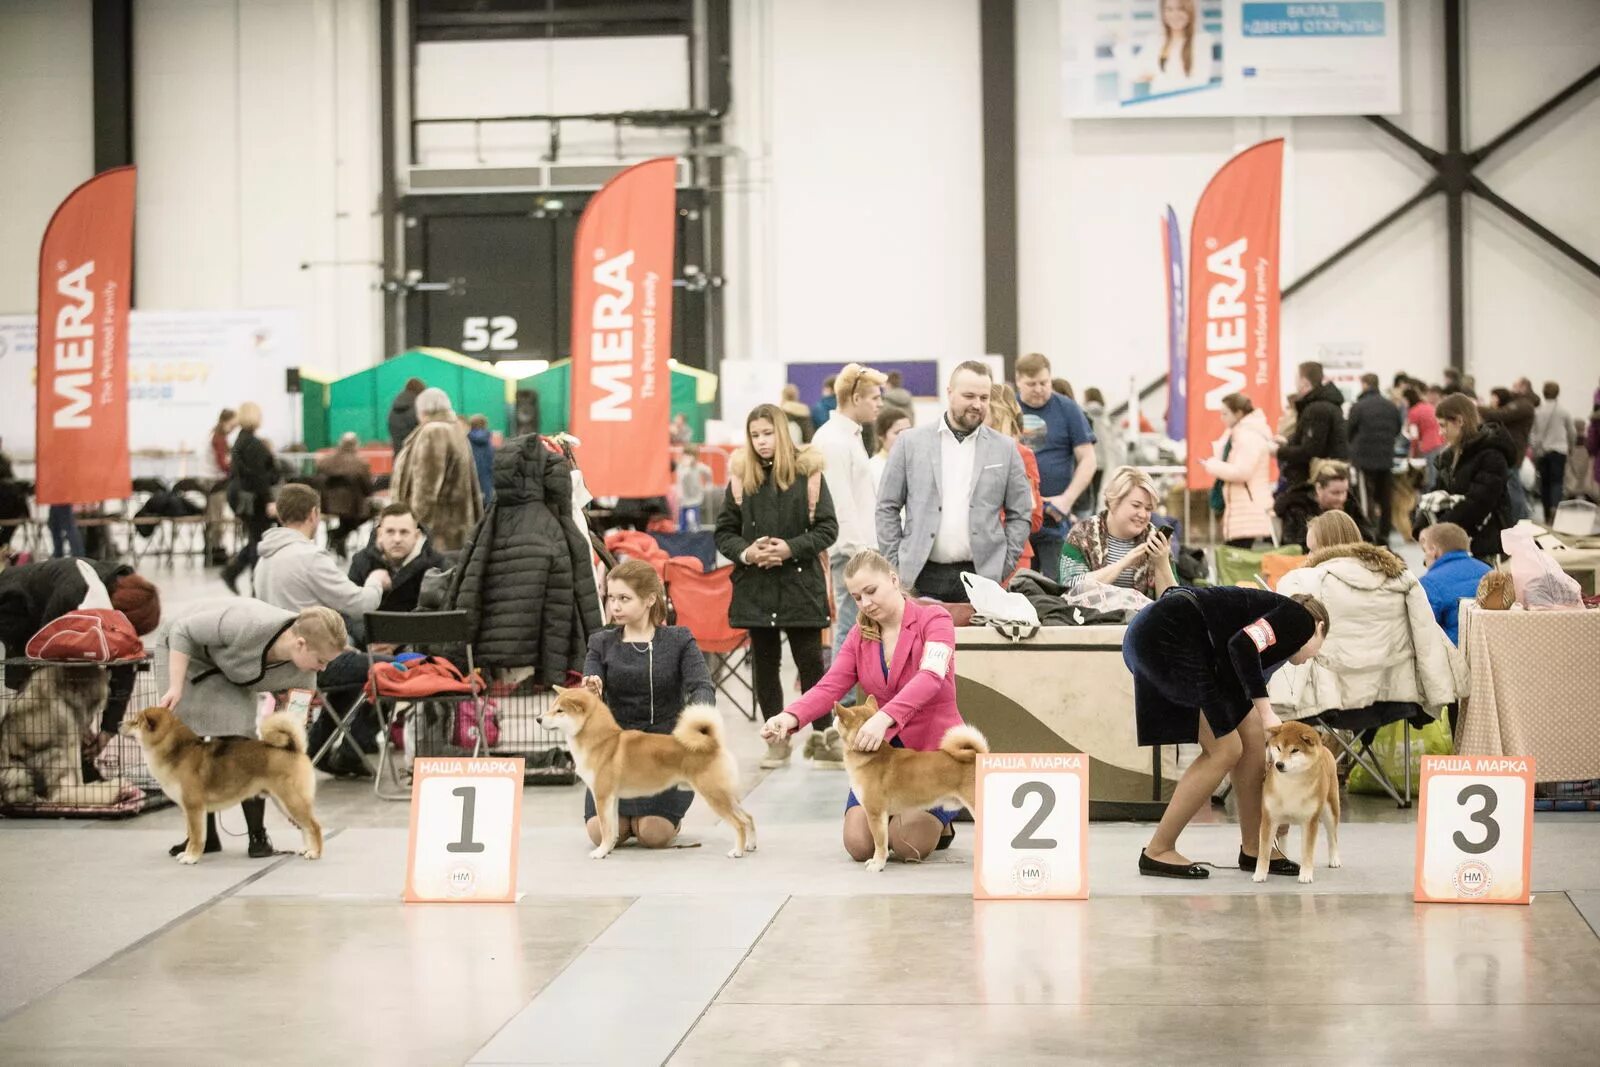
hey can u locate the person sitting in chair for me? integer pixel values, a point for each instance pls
(1328, 490)
(399, 548)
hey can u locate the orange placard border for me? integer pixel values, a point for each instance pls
(1428, 771)
(421, 770)
(983, 770)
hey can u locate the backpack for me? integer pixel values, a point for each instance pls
(87, 635)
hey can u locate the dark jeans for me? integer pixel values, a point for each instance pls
(942, 581)
(255, 526)
(340, 683)
(1518, 494)
(766, 653)
(1378, 485)
(1047, 554)
(339, 537)
(64, 532)
(1552, 477)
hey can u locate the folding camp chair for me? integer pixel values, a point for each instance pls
(701, 599)
(1243, 566)
(435, 632)
(344, 722)
(1353, 732)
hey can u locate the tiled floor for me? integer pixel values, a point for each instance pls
(112, 953)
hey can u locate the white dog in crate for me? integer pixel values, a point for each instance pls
(41, 739)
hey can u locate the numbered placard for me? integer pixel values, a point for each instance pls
(1475, 830)
(1032, 837)
(466, 820)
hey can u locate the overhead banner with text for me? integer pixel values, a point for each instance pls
(85, 271)
(622, 332)
(1233, 296)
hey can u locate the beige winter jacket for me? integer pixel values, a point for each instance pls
(1383, 642)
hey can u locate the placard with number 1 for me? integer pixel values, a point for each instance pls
(466, 820)
(1475, 830)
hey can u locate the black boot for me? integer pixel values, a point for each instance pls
(213, 842)
(255, 819)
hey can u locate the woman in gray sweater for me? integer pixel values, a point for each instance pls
(647, 673)
(212, 660)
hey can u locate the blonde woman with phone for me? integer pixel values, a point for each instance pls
(1122, 545)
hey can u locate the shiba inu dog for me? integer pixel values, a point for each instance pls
(1301, 787)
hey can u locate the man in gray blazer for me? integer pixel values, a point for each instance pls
(954, 496)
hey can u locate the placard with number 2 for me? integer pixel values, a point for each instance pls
(466, 819)
(1032, 837)
(1475, 830)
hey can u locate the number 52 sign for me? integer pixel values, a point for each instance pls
(1475, 830)
(466, 818)
(1032, 819)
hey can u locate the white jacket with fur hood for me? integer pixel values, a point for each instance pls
(1383, 642)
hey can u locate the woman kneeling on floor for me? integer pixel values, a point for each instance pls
(903, 654)
(1200, 660)
(646, 672)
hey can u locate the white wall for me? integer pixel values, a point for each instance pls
(855, 219)
(255, 132)
(1091, 192)
(46, 130)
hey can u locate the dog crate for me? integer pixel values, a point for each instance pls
(517, 733)
(61, 754)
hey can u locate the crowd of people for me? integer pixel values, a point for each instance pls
(852, 529)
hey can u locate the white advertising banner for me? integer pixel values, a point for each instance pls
(1166, 58)
(183, 368)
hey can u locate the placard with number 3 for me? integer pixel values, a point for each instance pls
(1032, 835)
(1475, 830)
(466, 820)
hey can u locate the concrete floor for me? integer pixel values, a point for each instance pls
(115, 954)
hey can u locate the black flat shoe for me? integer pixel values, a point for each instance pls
(1276, 865)
(261, 847)
(1157, 869)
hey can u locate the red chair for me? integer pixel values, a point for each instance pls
(701, 599)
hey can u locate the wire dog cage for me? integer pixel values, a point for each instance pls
(507, 717)
(61, 752)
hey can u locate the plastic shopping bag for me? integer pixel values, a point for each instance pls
(996, 604)
(1540, 582)
(1092, 595)
(1388, 748)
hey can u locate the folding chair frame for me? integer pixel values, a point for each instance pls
(1348, 740)
(388, 716)
(342, 723)
(735, 666)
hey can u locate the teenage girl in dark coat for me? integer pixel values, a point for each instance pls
(1200, 660)
(776, 522)
(1477, 461)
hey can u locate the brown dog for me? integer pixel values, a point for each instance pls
(209, 774)
(1302, 785)
(618, 764)
(892, 780)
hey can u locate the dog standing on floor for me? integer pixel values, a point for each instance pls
(892, 780)
(618, 764)
(209, 774)
(1301, 787)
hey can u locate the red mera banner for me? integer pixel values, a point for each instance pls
(1233, 296)
(622, 332)
(85, 271)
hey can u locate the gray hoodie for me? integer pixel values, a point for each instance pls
(294, 574)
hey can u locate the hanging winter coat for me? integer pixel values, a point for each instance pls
(525, 574)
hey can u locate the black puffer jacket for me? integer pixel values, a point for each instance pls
(1319, 433)
(795, 593)
(1297, 506)
(1480, 480)
(525, 573)
(253, 476)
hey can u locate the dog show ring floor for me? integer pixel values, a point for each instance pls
(115, 954)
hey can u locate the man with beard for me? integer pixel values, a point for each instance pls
(954, 496)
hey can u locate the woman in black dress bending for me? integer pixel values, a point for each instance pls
(1200, 660)
(646, 672)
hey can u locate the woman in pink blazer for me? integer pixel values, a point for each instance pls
(902, 653)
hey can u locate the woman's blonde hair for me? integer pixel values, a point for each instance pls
(322, 629)
(249, 416)
(868, 560)
(1333, 528)
(1126, 480)
(784, 466)
(645, 583)
(1188, 38)
(1005, 414)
